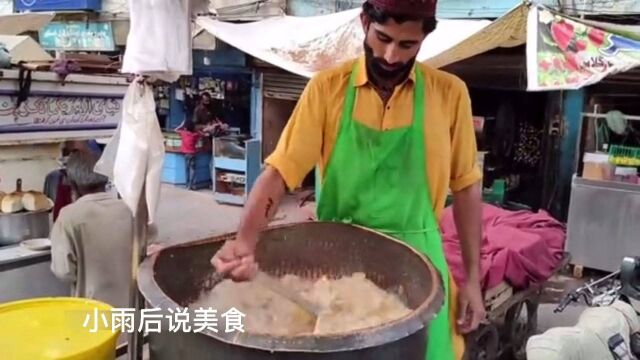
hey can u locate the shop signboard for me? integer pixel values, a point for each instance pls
(564, 53)
(78, 36)
(57, 5)
(59, 113)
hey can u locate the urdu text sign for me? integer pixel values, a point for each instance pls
(78, 36)
(55, 113)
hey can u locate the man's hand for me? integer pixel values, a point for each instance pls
(236, 259)
(471, 311)
(467, 213)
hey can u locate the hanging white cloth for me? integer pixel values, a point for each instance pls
(159, 40)
(134, 157)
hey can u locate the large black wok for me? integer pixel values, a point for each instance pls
(176, 276)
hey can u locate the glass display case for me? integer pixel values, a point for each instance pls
(235, 167)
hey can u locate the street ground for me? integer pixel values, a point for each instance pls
(556, 289)
(186, 216)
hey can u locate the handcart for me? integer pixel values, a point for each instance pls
(512, 319)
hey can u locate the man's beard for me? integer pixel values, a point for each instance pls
(398, 74)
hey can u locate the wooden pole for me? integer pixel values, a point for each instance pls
(135, 346)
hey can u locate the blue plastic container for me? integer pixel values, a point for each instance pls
(174, 169)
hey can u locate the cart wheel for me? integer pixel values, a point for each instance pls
(522, 322)
(483, 344)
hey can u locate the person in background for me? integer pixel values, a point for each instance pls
(91, 241)
(206, 120)
(216, 129)
(203, 114)
(189, 137)
(56, 184)
(94, 146)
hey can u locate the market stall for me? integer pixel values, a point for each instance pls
(224, 160)
(605, 195)
(36, 117)
(599, 59)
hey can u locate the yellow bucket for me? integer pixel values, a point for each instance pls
(56, 328)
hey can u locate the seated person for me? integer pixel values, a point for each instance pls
(92, 239)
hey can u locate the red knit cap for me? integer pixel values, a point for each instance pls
(423, 8)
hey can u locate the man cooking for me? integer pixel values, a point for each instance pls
(391, 137)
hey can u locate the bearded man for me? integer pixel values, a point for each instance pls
(391, 137)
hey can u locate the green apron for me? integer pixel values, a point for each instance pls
(377, 179)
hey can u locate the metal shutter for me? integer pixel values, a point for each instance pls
(283, 86)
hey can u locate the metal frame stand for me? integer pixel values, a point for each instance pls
(140, 231)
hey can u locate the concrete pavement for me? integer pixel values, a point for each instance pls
(185, 216)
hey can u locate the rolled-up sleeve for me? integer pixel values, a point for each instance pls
(464, 168)
(63, 256)
(300, 145)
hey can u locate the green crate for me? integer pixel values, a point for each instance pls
(624, 156)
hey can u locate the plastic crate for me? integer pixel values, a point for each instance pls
(624, 156)
(58, 5)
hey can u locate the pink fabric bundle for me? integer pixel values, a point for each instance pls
(519, 247)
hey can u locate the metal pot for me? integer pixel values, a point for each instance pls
(17, 227)
(176, 276)
(25, 225)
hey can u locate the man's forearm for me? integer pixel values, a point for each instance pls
(262, 204)
(467, 213)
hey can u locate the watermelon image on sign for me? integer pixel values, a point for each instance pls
(562, 32)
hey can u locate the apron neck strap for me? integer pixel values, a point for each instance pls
(418, 101)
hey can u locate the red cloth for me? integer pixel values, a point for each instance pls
(63, 195)
(423, 8)
(189, 141)
(519, 247)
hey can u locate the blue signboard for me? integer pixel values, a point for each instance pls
(58, 5)
(78, 36)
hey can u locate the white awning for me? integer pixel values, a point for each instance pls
(306, 45)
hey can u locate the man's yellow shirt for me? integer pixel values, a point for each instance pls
(450, 142)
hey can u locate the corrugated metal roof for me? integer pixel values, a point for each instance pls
(247, 10)
(282, 85)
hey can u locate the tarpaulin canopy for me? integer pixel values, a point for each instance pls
(306, 45)
(562, 52)
(510, 30)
